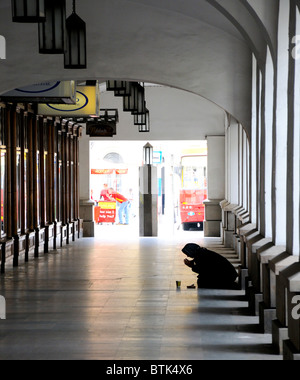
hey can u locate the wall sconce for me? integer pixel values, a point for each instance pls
(28, 11)
(76, 44)
(52, 31)
(148, 154)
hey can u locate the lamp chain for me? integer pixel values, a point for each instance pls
(74, 6)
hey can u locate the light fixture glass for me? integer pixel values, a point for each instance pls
(52, 31)
(145, 127)
(125, 91)
(115, 85)
(76, 43)
(28, 11)
(148, 154)
(130, 102)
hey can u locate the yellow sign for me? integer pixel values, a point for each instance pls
(107, 205)
(87, 103)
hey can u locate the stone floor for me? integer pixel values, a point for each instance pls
(99, 299)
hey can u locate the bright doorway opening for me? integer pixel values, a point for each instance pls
(181, 187)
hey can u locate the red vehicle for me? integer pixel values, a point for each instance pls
(193, 191)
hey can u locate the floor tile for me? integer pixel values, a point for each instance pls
(106, 300)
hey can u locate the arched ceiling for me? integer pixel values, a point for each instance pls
(201, 46)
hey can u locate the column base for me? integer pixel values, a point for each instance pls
(243, 278)
(30, 245)
(87, 215)
(255, 299)
(213, 218)
(266, 317)
(289, 351)
(279, 335)
(228, 238)
(88, 229)
(212, 229)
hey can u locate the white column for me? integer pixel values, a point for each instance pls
(258, 151)
(216, 167)
(241, 167)
(253, 163)
(246, 172)
(215, 185)
(269, 98)
(281, 125)
(296, 242)
(234, 164)
(291, 139)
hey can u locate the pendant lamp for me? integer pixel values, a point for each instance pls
(76, 44)
(28, 11)
(143, 121)
(125, 91)
(115, 85)
(130, 102)
(52, 31)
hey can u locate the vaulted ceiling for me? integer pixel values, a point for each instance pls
(201, 46)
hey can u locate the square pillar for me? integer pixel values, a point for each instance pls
(290, 278)
(87, 214)
(215, 185)
(267, 310)
(213, 218)
(229, 223)
(148, 201)
(278, 298)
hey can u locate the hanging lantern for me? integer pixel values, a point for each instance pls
(141, 103)
(52, 31)
(125, 91)
(145, 126)
(75, 54)
(115, 85)
(30, 11)
(141, 119)
(130, 102)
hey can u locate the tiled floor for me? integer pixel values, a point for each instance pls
(99, 299)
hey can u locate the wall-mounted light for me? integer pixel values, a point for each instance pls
(76, 44)
(52, 31)
(28, 11)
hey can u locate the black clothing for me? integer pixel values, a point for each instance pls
(215, 271)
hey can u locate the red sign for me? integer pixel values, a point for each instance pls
(105, 212)
(109, 171)
(102, 171)
(122, 171)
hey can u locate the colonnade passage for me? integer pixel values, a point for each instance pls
(227, 72)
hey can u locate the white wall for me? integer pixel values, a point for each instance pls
(174, 115)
